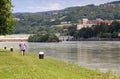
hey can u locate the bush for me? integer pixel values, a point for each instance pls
(43, 38)
(104, 35)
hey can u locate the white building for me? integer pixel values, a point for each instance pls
(88, 23)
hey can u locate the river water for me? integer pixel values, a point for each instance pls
(101, 55)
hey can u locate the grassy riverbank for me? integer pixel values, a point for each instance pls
(15, 66)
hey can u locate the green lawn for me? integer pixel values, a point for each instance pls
(15, 66)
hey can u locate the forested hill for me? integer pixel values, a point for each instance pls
(114, 2)
(71, 14)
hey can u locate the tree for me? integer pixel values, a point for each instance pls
(72, 29)
(85, 32)
(6, 17)
(104, 35)
(115, 26)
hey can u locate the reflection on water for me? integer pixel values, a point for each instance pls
(102, 55)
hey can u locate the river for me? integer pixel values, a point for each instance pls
(101, 55)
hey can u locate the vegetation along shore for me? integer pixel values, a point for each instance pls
(15, 66)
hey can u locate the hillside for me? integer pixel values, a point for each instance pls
(114, 2)
(71, 14)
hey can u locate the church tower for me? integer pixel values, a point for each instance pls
(85, 19)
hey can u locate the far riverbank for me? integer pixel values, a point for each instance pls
(24, 37)
(96, 39)
(14, 37)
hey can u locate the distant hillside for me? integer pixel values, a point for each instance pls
(114, 2)
(71, 14)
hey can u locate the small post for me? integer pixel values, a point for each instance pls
(11, 49)
(5, 47)
(41, 55)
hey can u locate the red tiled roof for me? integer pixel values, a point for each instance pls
(97, 21)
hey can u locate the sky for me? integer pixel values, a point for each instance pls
(48, 5)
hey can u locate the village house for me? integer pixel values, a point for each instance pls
(88, 23)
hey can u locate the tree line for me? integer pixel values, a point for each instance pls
(96, 31)
(100, 31)
(48, 37)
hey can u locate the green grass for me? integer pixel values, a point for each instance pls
(15, 66)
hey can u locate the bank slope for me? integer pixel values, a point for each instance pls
(15, 66)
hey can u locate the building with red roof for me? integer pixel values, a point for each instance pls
(88, 23)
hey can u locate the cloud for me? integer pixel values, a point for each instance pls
(48, 7)
(55, 6)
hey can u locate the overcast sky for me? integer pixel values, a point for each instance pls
(47, 5)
